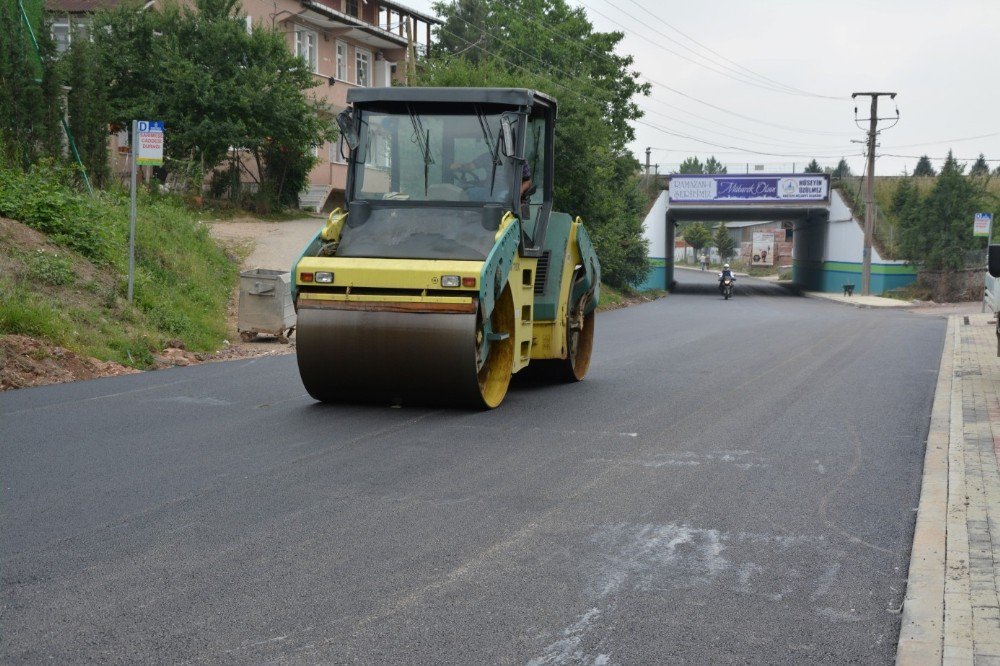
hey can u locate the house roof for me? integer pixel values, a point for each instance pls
(412, 12)
(325, 16)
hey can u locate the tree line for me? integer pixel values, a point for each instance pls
(215, 84)
(936, 227)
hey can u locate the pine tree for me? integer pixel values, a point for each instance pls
(724, 242)
(29, 92)
(697, 236)
(813, 167)
(691, 165)
(936, 230)
(924, 167)
(980, 168)
(714, 166)
(843, 169)
(88, 110)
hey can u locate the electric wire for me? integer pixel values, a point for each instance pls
(583, 98)
(648, 79)
(736, 76)
(771, 141)
(716, 53)
(933, 143)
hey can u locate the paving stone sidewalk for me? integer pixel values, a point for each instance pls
(951, 614)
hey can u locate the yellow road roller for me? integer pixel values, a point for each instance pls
(447, 270)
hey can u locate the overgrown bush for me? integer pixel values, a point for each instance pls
(43, 198)
(183, 279)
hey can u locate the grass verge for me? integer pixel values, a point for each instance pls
(64, 271)
(613, 298)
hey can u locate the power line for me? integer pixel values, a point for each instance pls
(774, 141)
(583, 98)
(769, 85)
(714, 52)
(932, 143)
(534, 19)
(734, 76)
(957, 159)
(719, 145)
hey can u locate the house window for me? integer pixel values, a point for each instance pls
(305, 46)
(65, 30)
(61, 35)
(362, 67)
(351, 8)
(341, 61)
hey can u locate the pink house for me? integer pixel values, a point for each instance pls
(346, 43)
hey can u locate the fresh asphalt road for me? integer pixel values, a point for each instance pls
(735, 481)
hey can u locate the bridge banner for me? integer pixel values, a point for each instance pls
(779, 188)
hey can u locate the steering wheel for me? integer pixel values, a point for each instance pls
(465, 178)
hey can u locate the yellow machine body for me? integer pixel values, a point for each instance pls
(450, 272)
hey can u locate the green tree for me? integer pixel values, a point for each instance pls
(88, 109)
(724, 242)
(813, 167)
(924, 167)
(595, 174)
(697, 235)
(714, 166)
(906, 201)
(936, 230)
(843, 169)
(551, 38)
(30, 110)
(980, 168)
(691, 165)
(215, 86)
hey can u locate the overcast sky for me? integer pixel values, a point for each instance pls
(940, 57)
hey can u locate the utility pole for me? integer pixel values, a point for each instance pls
(866, 257)
(648, 150)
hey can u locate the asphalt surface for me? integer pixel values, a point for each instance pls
(734, 482)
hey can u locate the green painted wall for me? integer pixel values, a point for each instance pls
(831, 276)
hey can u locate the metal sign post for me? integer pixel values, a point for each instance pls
(147, 148)
(131, 214)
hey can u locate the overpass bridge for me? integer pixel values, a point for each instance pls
(827, 239)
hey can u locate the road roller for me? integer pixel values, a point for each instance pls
(446, 270)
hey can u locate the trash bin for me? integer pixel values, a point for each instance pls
(266, 304)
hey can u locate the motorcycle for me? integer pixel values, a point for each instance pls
(726, 287)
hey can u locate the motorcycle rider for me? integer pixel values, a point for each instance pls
(726, 272)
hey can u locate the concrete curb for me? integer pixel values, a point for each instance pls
(866, 302)
(921, 636)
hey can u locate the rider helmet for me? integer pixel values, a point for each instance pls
(725, 266)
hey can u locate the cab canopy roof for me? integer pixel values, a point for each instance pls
(402, 94)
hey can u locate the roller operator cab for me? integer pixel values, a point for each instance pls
(449, 271)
